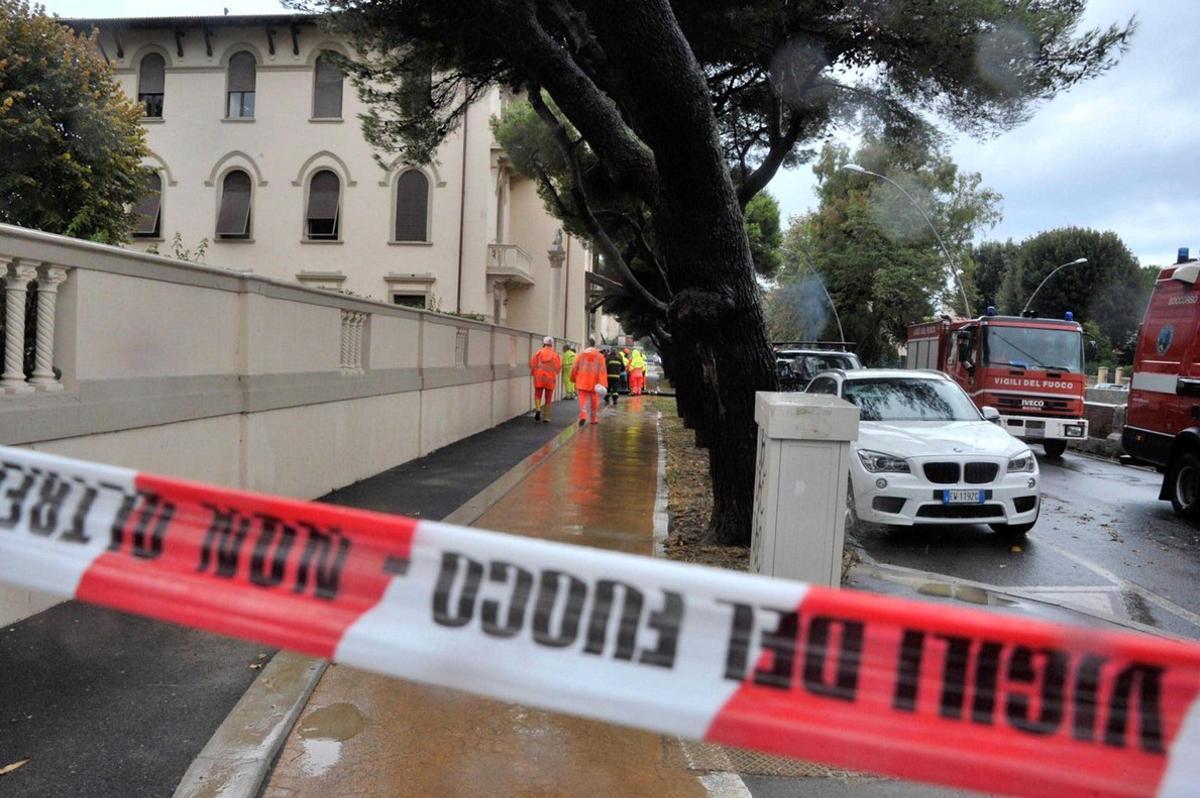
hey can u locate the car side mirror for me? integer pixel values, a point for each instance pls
(991, 414)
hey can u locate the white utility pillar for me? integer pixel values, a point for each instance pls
(800, 485)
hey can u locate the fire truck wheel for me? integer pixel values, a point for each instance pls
(1054, 448)
(1185, 486)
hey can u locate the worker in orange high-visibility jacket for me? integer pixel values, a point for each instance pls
(544, 366)
(589, 373)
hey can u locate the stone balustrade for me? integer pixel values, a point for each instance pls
(21, 280)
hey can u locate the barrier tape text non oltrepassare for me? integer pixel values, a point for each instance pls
(966, 698)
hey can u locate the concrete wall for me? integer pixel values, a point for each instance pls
(213, 375)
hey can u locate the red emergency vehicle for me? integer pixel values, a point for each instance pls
(1029, 369)
(1162, 422)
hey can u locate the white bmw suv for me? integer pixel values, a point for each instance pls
(926, 455)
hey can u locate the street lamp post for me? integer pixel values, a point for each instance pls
(853, 167)
(841, 333)
(1075, 262)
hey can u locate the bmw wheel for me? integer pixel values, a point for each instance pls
(1185, 486)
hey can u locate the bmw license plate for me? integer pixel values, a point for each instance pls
(962, 497)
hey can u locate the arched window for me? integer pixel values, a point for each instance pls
(240, 104)
(233, 218)
(151, 79)
(412, 207)
(322, 218)
(327, 89)
(148, 209)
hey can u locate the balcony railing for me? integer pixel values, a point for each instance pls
(508, 263)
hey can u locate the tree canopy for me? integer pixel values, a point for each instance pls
(71, 140)
(874, 251)
(688, 108)
(1110, 288)
(990, 262)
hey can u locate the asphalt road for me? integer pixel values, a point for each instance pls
(1104, 542)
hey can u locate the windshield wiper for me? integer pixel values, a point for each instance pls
(1019, 349)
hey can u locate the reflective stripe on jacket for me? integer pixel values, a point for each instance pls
(589, 370)
(545, 365)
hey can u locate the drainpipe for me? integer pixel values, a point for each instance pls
(566, 286)
(462, 214)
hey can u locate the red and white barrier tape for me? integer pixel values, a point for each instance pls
(922, 691)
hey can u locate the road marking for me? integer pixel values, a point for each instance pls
(1100, 570)
(725, 785)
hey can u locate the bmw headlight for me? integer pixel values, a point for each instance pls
(1024, 463)
(877, 462)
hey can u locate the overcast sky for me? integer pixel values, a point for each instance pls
(1119, 153)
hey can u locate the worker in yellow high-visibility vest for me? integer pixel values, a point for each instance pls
(568, 363)
(637, 372)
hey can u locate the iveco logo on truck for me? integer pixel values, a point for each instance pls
(1033, 403)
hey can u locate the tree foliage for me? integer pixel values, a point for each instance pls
(990, 262)
(874, 251)
(689, 108)
(70, 138)
(1109, 289)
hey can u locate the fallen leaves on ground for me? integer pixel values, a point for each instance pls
(689, 498)
(20, 763)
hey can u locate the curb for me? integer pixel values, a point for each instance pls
(238, 759)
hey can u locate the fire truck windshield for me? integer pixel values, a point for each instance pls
(1034, 348)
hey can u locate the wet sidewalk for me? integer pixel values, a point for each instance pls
(372, 737)
(111, 705)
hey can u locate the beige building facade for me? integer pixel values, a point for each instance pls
(258, 152)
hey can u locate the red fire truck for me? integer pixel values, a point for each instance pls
(1029, 369)
(1162, 422)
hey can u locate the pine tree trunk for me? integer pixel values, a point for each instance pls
(715, 312)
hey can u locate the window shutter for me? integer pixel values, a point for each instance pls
(327, 100)
(412, 206)
(234, 217)
(323, 205)
(151, 76)
(149, 207)
(241, 72)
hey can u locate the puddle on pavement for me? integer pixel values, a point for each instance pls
(322, 733)
(967, 593)
(335, 722)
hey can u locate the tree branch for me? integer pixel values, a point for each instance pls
(643, 244)
(757, 180)
(606, 244)
(627, 160)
